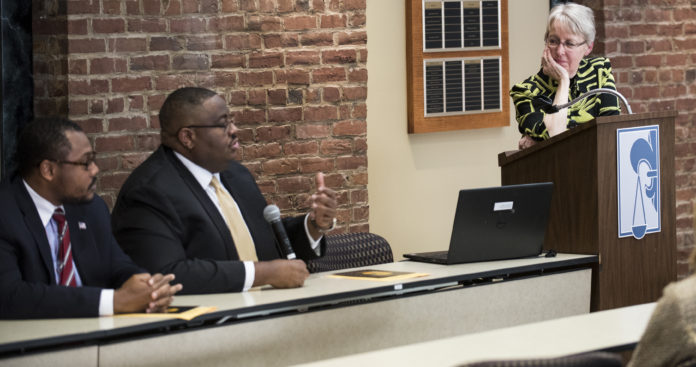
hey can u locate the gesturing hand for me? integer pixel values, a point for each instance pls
(323, 205)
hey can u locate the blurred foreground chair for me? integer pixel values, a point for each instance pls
(591, 359)
(352, 250)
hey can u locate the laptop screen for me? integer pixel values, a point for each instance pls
(503, 222)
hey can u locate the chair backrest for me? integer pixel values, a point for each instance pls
(352, 250)
(591, 359)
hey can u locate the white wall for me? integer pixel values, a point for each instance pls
(414, 179)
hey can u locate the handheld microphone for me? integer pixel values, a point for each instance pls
(272, 215)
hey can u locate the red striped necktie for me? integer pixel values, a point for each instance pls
(66, 268)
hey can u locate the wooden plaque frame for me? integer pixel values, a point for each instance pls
(415, 57)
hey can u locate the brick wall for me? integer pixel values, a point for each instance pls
(652, 46)
(293, 72)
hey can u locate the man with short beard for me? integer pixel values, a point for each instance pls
(58, 257)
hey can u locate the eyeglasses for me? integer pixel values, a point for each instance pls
(226, 126)
(91, 159)
(555, 42)
(210, 126)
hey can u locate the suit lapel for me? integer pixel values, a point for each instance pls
(35, 227)
(230, 182)
(233, 185)
(207, 204)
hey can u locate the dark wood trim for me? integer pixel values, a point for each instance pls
(582, 164)
(417, 122)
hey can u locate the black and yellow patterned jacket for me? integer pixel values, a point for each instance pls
(592, 73)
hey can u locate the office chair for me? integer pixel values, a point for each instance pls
(352, 250)
(591, 359)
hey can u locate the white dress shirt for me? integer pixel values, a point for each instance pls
(204, 177)
(46, 210)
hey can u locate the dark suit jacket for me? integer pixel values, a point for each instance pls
(167, 223)
(27, 283)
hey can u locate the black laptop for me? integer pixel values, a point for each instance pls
(496, 223)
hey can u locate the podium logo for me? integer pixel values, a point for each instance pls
(638, 176)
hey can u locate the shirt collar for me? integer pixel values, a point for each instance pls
(43, 206)
(202, 175)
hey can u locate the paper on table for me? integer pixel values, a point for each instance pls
(176, 312)
(377, 275)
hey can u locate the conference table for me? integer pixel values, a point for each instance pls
(328, 317)
(611, 330)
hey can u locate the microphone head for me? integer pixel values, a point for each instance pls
(271, 213)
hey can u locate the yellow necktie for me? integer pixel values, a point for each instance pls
(235, 222)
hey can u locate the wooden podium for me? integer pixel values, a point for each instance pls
(584, 211)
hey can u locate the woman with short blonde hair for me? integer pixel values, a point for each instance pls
(566, 73)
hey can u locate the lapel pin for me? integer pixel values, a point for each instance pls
(82, 225)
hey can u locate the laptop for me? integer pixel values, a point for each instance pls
(496, 223)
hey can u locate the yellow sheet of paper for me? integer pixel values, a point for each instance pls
(186, 315)
(383, 276)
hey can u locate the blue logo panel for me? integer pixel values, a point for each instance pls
(638, 180)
